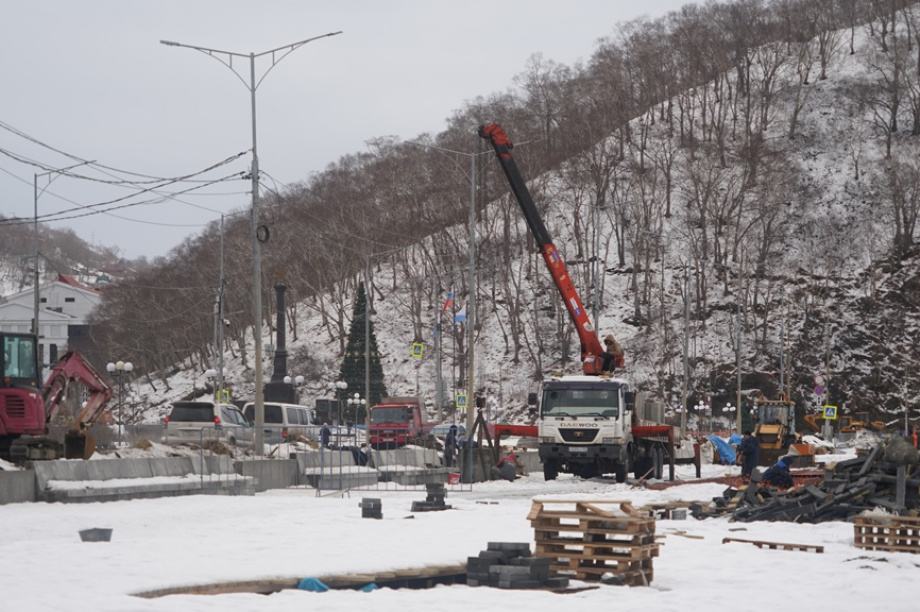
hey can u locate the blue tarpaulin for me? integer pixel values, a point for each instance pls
(312, 584)
(735, 439)
(726, 452)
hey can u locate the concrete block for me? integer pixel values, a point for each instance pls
(273, 473)
(69, 470)
(94, 470)
(179, 466)
(127, 468)
(17, 486)
(157, 466)
(144, 468)
(43, 473)
(110, 468)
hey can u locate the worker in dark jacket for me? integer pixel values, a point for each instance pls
(450, 446)
(778, 474)
(612, 357)
(750, 454)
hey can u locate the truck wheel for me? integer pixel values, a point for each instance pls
(658, 459)
(641, 467)
(550, 470)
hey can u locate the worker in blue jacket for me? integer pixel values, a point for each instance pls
(778, 474)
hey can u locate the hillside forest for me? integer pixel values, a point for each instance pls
(740, 175)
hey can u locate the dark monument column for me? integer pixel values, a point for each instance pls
(277, 390)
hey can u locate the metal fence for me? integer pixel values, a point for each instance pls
(345, 463)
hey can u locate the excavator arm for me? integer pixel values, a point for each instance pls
(591, 348)
(73, 368)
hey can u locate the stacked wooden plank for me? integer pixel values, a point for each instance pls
(887, 477)
(888, 533)
(592, 541)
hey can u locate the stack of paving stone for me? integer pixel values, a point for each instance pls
(509, 565)
(434, 500)
(371, 507)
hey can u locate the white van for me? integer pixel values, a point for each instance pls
(203, 420)
(284, 422)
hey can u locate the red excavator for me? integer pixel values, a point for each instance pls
(27, 409)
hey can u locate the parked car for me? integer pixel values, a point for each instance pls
(441, 430)
(284, 422)
(202, 421)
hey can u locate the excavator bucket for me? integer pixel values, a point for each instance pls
(79, 445)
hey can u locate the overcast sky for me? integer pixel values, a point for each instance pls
(91, 80)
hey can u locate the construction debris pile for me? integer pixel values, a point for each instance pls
(886, 478)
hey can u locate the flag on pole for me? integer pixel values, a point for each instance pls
(460, 317)
(449, 302)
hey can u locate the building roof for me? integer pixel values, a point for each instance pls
(69, 280)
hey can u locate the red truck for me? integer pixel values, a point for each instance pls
(396, 421)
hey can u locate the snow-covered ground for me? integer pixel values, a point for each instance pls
(293, 533)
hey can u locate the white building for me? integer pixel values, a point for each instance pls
(64, 306)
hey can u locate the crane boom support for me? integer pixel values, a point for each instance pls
(591, 348)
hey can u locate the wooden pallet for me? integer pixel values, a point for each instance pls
(777, 545)
(631, 573)
(887, 533)
(589, 540)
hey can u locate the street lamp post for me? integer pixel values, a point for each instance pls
(728, 409)
(357, 402)
(701, 409)
(471, 301)
(226, 58)
(37, 278)
(298, 383)
(216, 377)
(338, 389)
(119, 369)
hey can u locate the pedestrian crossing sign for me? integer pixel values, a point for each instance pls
(461, 400)
(830, 413)
(418, 349)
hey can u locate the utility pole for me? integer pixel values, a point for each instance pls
(259, 233)
(738, 331)
(683, 399)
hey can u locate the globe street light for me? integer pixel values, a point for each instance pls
(259, 233)
(298, 383)
(729, 409)
(355, 403)
(701, 408)
(119, 369)
(217, 376)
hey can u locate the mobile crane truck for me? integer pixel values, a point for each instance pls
(27, 407)
(593, 423)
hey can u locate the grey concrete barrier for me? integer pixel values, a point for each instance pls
(271, 474)
(17, 487)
